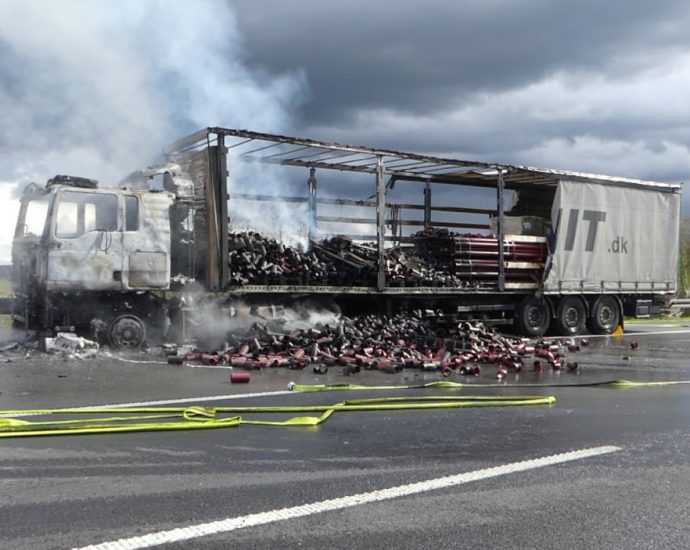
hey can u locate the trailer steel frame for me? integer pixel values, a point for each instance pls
(387, 166)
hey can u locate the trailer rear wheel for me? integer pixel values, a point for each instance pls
(533, 316)
(571, 316)
(605, 315)
(127, 332)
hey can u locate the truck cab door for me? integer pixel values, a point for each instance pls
(146, 241)
(85, 245)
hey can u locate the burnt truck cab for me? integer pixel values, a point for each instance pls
(83, 254)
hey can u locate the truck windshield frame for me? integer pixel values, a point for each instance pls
(79, 213)
(32, 218)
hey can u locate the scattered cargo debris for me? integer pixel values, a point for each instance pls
(425, 340)
(69, 344)
(9, 347)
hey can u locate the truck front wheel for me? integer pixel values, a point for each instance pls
(605, 315)
(571, 316)
(127, 332)
(533, 316)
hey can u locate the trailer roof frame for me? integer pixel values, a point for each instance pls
(247, 146)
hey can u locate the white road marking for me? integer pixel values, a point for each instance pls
(137, 361)
(186, 399)
(263, 518)
(193, 366)
(187, 365)
(166, 402)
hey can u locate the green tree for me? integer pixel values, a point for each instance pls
(684, 282)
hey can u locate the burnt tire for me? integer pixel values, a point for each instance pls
(127, 332)
(605, 315)
(533, 316)
(571, 316)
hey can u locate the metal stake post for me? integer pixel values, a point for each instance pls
(381, 222)
(311, 182)
(223, 197)
(499, 232)
(427, 205)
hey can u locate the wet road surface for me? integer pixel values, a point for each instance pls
(74, 491)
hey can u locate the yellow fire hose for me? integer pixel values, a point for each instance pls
(447, 384)
(139, 419)
(192, 418)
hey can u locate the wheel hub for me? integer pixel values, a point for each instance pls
(127, 331)
(535, 316)
(571, 317)
(605, 315)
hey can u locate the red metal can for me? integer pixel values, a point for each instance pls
(239, 377)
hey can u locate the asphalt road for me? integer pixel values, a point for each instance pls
(74, 491)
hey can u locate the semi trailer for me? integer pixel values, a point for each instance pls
(571, 252)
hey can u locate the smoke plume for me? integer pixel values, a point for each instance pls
(96, 88)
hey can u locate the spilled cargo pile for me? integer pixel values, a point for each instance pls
(436, 258)
(424, 340)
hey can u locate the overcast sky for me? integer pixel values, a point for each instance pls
(582, 85)
(95, 88)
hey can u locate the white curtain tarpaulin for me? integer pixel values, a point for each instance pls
(614, 238)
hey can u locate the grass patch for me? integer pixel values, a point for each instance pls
(5, 287)
(675, 321)
(5, 322)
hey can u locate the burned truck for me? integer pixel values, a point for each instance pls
(535, 248)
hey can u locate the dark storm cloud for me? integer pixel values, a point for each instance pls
(96, 87)
(426, 56)
(586, 85)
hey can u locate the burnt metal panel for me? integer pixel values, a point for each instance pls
(208, 170)
(148, 269)
(195, 163)
(216, 209)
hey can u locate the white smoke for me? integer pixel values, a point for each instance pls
(287, 222)
(212, 325)
(97, 88)
(9, 208)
